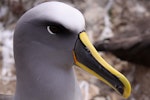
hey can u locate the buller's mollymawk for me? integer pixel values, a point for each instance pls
(48, 40)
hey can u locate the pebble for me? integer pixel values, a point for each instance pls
(93, 91)
(100, 98)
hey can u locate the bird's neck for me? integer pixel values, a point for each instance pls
(45, 76)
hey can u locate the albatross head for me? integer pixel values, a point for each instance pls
(48, 39)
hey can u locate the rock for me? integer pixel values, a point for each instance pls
(93, 91)
(99, 98)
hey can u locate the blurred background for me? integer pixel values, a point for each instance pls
(119, 29)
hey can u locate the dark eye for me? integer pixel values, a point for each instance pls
(53, 29)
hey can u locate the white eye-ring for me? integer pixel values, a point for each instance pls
(49, 30)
